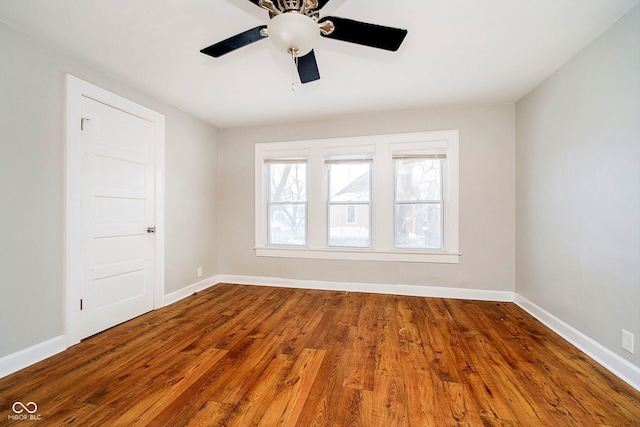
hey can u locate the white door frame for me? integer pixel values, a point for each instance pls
(76, 90)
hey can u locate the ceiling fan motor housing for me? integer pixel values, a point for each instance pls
(288, 5)
(305, 7)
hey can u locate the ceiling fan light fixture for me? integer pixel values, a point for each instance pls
(295, 26)
(293, 31)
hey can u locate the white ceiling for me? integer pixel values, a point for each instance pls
(457, 52)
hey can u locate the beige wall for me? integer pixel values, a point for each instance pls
(487, 200)
(32, 187)
(578, 189)
(191, 201)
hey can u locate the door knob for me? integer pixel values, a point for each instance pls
(151, 229)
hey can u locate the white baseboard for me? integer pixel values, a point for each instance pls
(34, 354)
(619, 366)
(409, 290)
(190, 290)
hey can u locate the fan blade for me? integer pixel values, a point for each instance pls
(308, 68)
(256, 2)
(235, 42)
(372, 35)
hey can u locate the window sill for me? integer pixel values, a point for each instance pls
(359, 255)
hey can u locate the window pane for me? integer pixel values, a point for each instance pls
(287, 224)
(349, 226)
(418, 226)
(418, 179)
(287, 182)
(350, 182)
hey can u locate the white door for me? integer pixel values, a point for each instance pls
(117, 210)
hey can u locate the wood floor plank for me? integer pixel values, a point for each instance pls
(303, 324)
(388, 339)
(489, 401)
(166, 387)
(286, 407)
(516, 394)
(423, 399)
(361, 354)
(461, 408)
(435, 347)
(543, 391)
(325, 395)
(248, 355)
(389, 402)
(355, 408)
(324, 331)
(211, 414)
(253, 405)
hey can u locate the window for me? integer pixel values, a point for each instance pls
(287, 202)
(349, 202)
(419, 202)
(387, 197)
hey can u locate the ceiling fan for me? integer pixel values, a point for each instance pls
(294, 27)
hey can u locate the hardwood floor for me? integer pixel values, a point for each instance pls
(257, 356)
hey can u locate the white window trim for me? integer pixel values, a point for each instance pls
(382, 216)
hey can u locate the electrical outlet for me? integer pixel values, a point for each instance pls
(627, 341)
(199, 271)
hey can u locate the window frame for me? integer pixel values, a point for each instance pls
(382, 203)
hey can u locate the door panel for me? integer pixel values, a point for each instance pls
(117, 173)
(117, 207)
(116, 289)
(114, 250)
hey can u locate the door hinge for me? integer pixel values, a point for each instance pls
(82, 120)
(80, 303)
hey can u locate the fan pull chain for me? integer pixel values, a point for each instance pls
(294, 62)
